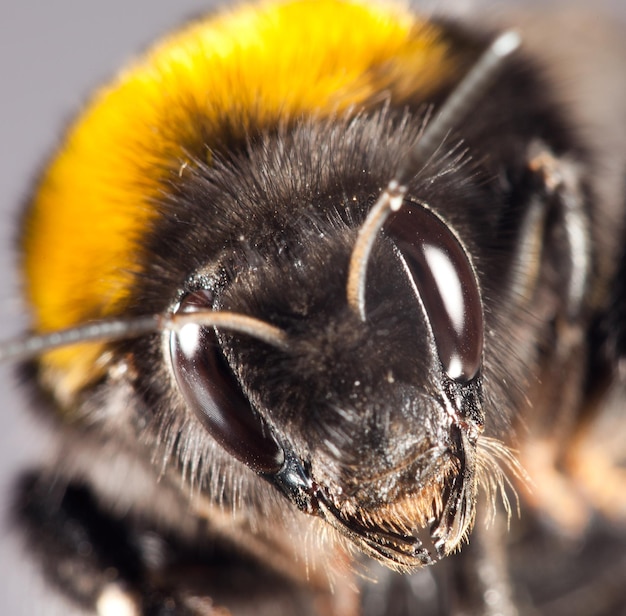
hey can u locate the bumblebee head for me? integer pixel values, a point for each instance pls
(365, 414)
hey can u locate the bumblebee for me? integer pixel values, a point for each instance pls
(317, 287)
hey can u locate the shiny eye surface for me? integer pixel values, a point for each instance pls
(447, 287)
(212, 392)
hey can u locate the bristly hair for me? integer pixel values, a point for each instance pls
(497, 467)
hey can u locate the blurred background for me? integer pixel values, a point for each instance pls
(51, 55)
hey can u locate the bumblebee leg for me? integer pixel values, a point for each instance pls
(590, 451)
(90, 557)
(597, 457)
(557, 399)
(84, 555)
(118, 566)
(552, 491)
(575, 462)
(389, 593)
(479, 578)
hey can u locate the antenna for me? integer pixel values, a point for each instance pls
(460, 102)
(120, 329)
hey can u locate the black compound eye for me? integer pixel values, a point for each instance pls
(447, 287)
(212, 392)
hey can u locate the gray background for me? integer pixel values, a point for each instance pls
(51, 54)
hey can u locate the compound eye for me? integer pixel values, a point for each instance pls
(447, 285)
(213, 393)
